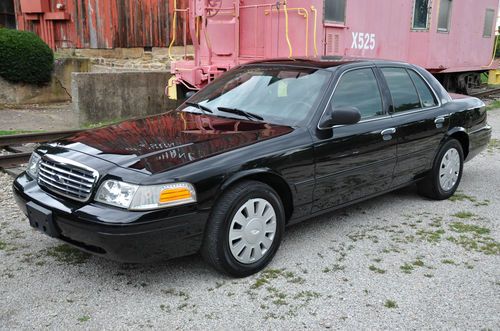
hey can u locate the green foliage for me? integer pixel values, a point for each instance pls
(25, 58)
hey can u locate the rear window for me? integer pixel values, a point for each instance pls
(427, 98)
(404, 94)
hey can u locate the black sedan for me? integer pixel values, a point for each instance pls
(266, 145)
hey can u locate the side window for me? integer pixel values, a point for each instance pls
(444, 16)
(335, 11)
(404, 94)
(488, 22)
(359, 88)
(427, 98)
(421, 14)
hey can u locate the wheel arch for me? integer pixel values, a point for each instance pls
(462, 136)
(266, 176)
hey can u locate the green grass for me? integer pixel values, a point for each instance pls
(335, 267)
(83, 319)
(267, 275)
(390, 304)
(494, 105)
(13, 132)
(448, 261)
(471, 228)
(407, 268)
(430, 236)
(464, 214)
(493, 145)
(485, 245)
(67, 254)
(418, 263)
(2, 245)
(377, 270)
(306, 295)
(459, 196)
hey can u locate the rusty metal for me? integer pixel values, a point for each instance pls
(13, 160)
(103, 23)
(22, 154)
(485, 93)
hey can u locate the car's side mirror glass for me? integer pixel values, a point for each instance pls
(342, 116)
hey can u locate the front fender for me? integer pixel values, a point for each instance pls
(248, 173)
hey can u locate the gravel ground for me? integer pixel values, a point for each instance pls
(395, 262)
(52, 117)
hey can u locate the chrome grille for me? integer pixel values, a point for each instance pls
(66, 177)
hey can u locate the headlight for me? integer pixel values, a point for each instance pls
(116, 193)
(135, 197)
(33, 165)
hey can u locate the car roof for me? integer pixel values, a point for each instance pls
(325, 62)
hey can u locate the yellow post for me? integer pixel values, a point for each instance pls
(172, 88)
(494, 77)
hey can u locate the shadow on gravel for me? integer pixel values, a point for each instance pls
(194, 268)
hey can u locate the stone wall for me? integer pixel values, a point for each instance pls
(108, 96)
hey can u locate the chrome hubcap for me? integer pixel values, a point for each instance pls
(252, 231)
(449, 169)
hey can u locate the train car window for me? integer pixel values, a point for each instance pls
(335, 11)
(359, 88)
(421, 14)
(427, 98)
(488, 22)
(404, 94)
(444, 16)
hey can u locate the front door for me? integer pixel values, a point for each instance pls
(358, 160)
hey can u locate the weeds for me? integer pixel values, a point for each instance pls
(67, 254)
(377, 270)
(390, 304)
(464, 215)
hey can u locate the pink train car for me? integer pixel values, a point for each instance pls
(453, 39)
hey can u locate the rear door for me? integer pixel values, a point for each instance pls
(419, 121)
(357, 160)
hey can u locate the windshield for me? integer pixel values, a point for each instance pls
(274, 94)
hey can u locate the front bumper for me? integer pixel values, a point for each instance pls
(114, 233)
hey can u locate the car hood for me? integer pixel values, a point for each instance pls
(163, 142)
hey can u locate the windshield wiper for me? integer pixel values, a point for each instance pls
(240, 112)
(200, 107)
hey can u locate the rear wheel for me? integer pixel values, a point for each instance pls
(245, 229)
(445, 176)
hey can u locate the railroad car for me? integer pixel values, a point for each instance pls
(453, 39)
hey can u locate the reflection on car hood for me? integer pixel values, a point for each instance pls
(159, 143)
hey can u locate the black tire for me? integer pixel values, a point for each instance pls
(216, 248)
(430, 186)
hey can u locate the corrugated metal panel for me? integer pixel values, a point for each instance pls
(110, 24)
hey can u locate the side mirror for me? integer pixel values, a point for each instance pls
(342, 116)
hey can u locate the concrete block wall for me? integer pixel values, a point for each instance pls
(57, 90)
(108, 96)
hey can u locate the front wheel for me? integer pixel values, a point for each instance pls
(445, 176)
(245, 229)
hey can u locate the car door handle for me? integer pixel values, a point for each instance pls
(439, 121)
(388, 132)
